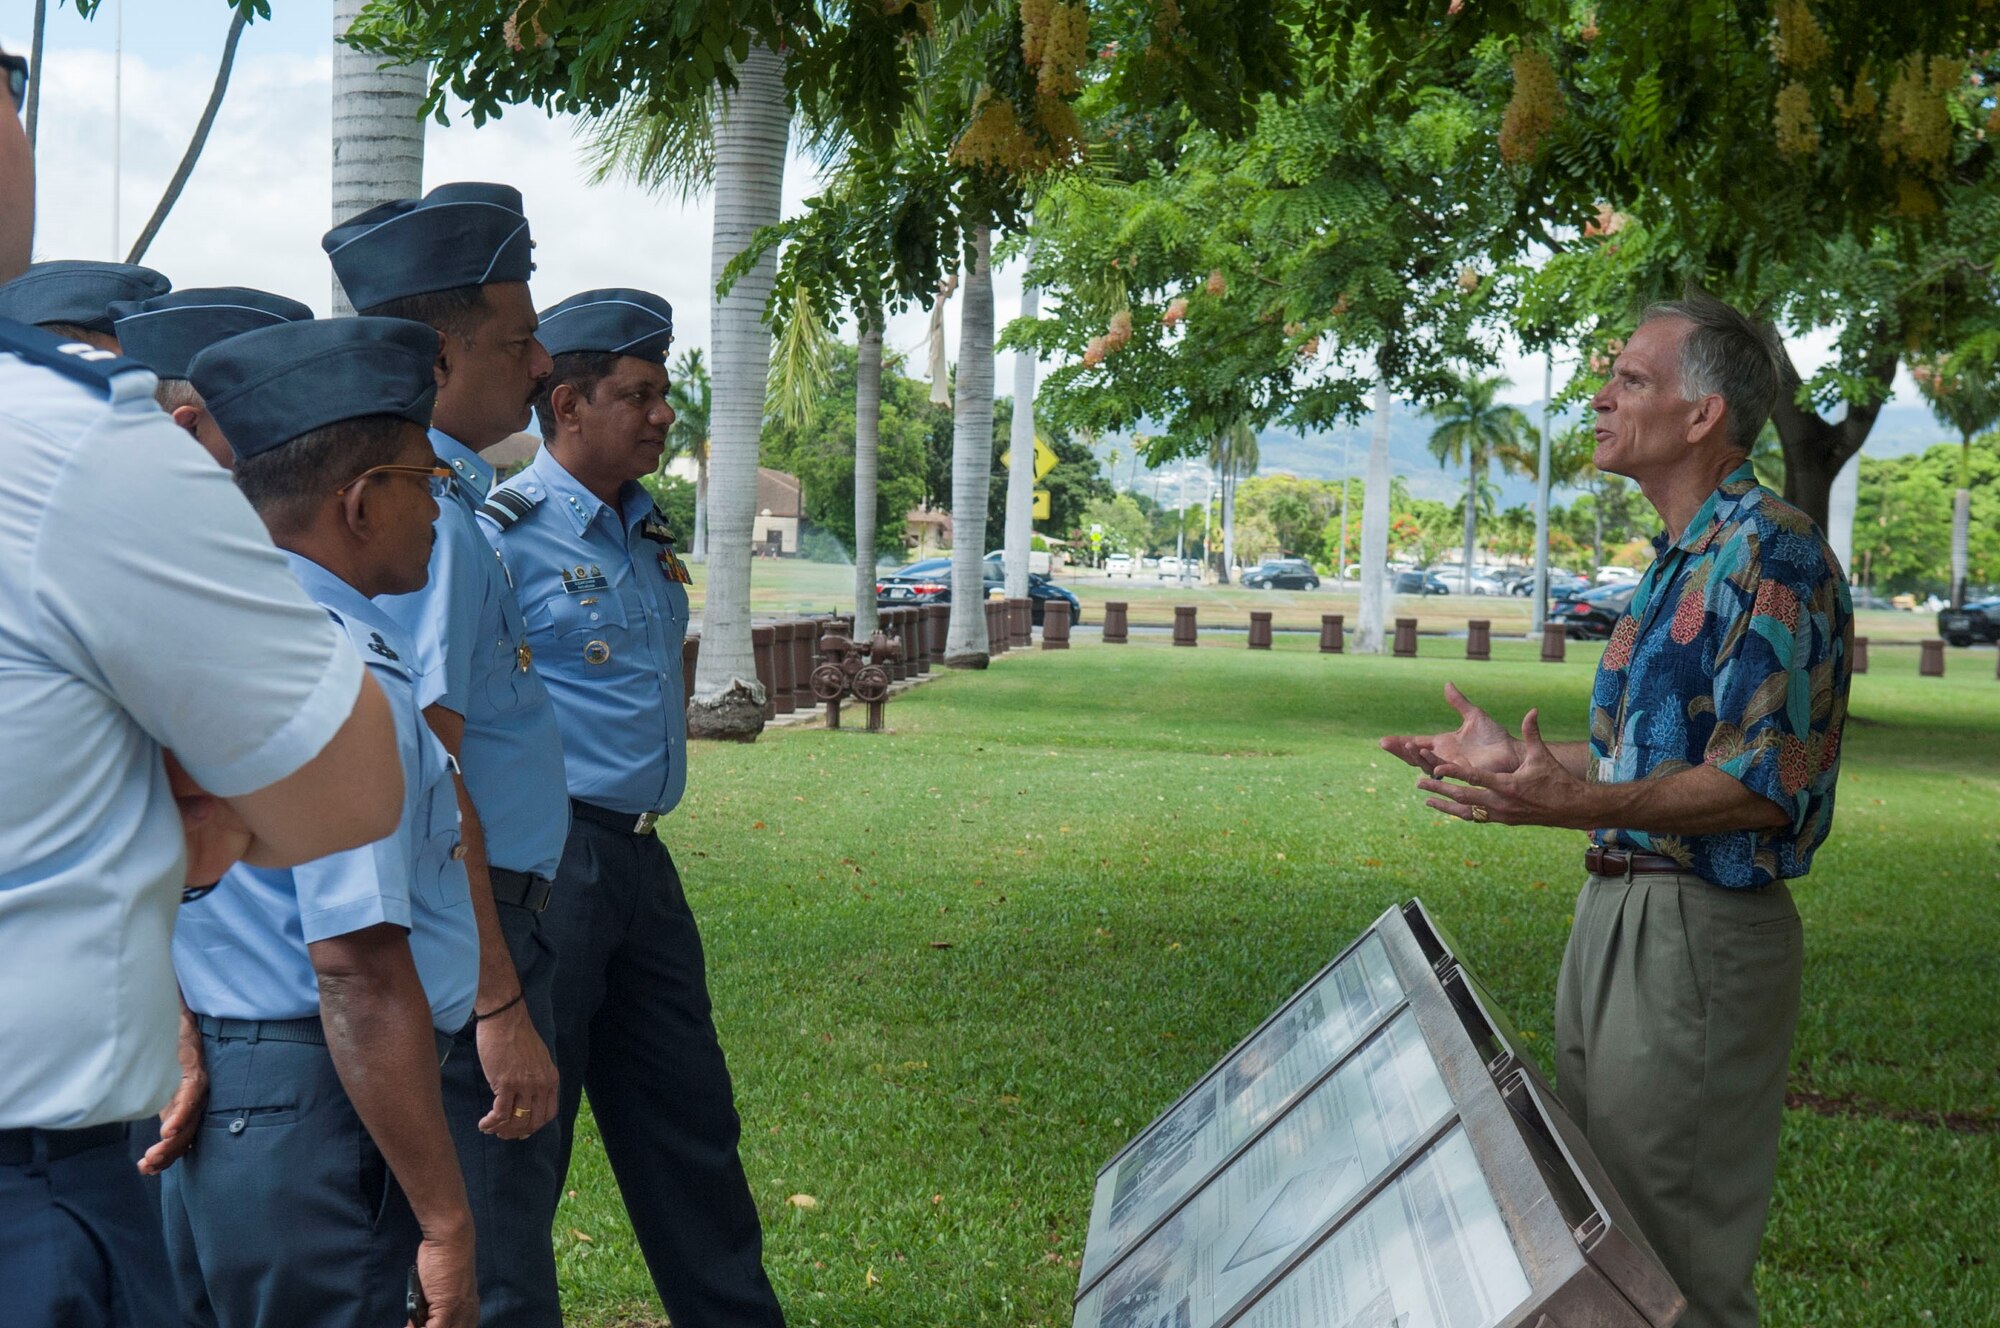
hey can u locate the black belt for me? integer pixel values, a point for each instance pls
(1617, 862)
(521, 889)
(307, 1030)
(20, 1147)
(628, 823)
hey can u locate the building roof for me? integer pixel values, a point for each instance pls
(778, 494)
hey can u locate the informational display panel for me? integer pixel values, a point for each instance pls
(1374, 1155)
(1259, 1079)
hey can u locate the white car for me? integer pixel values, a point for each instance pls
(1170, 568)
(1118, 564)
(1609, 575)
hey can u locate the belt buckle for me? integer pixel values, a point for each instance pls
(645, 823)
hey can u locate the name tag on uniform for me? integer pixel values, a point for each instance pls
(581, 581)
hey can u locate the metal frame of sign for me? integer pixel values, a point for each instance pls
(1586, 1264)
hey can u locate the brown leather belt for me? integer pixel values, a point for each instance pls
(1618, 862)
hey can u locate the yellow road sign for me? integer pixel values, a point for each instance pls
(1045, 461)
(1041, 504)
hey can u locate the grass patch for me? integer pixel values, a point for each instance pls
(955, 968)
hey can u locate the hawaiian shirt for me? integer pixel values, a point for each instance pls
(1736, 652)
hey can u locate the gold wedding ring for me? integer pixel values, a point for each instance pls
(1481, 815)
(520, 1112)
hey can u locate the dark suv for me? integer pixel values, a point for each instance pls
(1281, 574)
(1979, 620)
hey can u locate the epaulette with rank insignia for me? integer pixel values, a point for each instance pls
(109, 375)
(506, 506)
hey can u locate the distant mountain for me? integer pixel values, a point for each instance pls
(1903, 427)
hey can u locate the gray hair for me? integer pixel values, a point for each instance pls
(1724, 354)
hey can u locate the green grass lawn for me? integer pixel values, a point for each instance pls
(956, 967)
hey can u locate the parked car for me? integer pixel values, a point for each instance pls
(1170, 567)
(1486, 583)
(1609, 575)
(925, 582)
(1420, 583)
(1281, 574)
(929, 582)
(1118, 564)
(1589, 615)
(1979, 620)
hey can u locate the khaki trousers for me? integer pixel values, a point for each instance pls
(1674, 1017)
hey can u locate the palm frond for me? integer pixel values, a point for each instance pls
(801, 360)
(667, 150)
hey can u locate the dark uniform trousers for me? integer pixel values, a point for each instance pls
(79, 1243)
(510, 1184)
(634, 1030)
(285, 1215)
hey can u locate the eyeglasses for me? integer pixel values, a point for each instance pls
(439, 477)
(17, 78)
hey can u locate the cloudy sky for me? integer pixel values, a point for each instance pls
(261, 196)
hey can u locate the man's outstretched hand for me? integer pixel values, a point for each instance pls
(1538, 790)
(1479, 743)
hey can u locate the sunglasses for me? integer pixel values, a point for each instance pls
(16, 68)
(438, 477)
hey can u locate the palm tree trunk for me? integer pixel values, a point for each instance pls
(1961, 521)
(698, 552)
(1471, 525)
(34, 107)
(966, 645)
(197, 142)
(752, 126)
(1228, 521)
(867, 439)
(378, 130)
(1020, 533)
(1375, 589)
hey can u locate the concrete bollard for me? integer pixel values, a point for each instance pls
(1184, 628)
(1479, 639)
(1260, 629)
(1406, 638)
(1115, 630)
(690, 656)
(1055, 625)
(805, 640)
(996, 627)
(760, 650)
(1331, 635)
(1555, 639)
(889, 622)
(1931, 664)
(939, 616)
(1020, 623)
(784, 687)
(1860, 660)
(920, 640)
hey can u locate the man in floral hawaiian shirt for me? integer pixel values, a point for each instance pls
(1707, 783)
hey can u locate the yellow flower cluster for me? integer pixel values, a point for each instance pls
(997, 139)
(1798, 132)
(1054, 38)
(1916, 116)
(1533, 110)
(1797, 39)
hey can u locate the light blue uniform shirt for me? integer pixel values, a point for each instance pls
(467, 630)
(606, 624)
(141, 606)
(240, 950)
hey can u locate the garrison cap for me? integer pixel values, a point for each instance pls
(457, 235)
(72, 290)
(167, 331)
(617, 321)
(267, 387)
